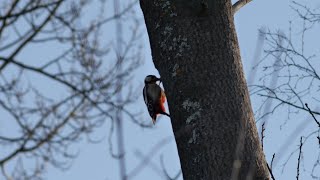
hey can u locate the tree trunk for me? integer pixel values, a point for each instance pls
(195, 48)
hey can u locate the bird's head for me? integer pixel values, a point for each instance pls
(151, 79)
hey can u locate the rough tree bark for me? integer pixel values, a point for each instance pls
(195, 48)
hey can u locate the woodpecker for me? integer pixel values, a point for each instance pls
(154, 97)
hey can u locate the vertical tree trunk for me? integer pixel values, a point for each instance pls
(195, 48)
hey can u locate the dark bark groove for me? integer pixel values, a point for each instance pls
(195, 48)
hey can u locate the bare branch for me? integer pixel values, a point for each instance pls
(146, 160)
(270, 171)
(166, 173)
(55, 99)
(151, 165)
(36, 31)
(262, 134)
(271, 164)
(262, 137)
(312, 114)
(239, 4)
(299, 159)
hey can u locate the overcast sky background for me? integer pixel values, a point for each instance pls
(94, 160)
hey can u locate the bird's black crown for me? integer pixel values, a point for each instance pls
(151, 79)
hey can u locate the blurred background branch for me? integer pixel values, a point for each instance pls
(58, 79)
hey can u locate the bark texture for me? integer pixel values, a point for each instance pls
(195, 48)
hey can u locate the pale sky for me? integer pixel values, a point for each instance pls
(94, 161)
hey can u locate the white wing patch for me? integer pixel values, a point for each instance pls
(145, 95)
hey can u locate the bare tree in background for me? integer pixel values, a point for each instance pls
(291, 79)
(58, 80)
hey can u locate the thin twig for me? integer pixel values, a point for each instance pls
(272, 159)
(157, 147)
(312, 115)
(4, 173)
(262, 137)
(270, 171)
(37, 30)
(151, 165)
(144, 162)
(299, 158)
(166, 172)
(262, 134)
(318, 137)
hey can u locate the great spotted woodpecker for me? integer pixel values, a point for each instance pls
(154, 97)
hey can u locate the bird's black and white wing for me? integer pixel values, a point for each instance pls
(151, 96)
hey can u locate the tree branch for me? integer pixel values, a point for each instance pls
(262, 137)
(262, 134)
(42, 141)
(312, 114)
(36, 31)
(239, 4)
(299, 159)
